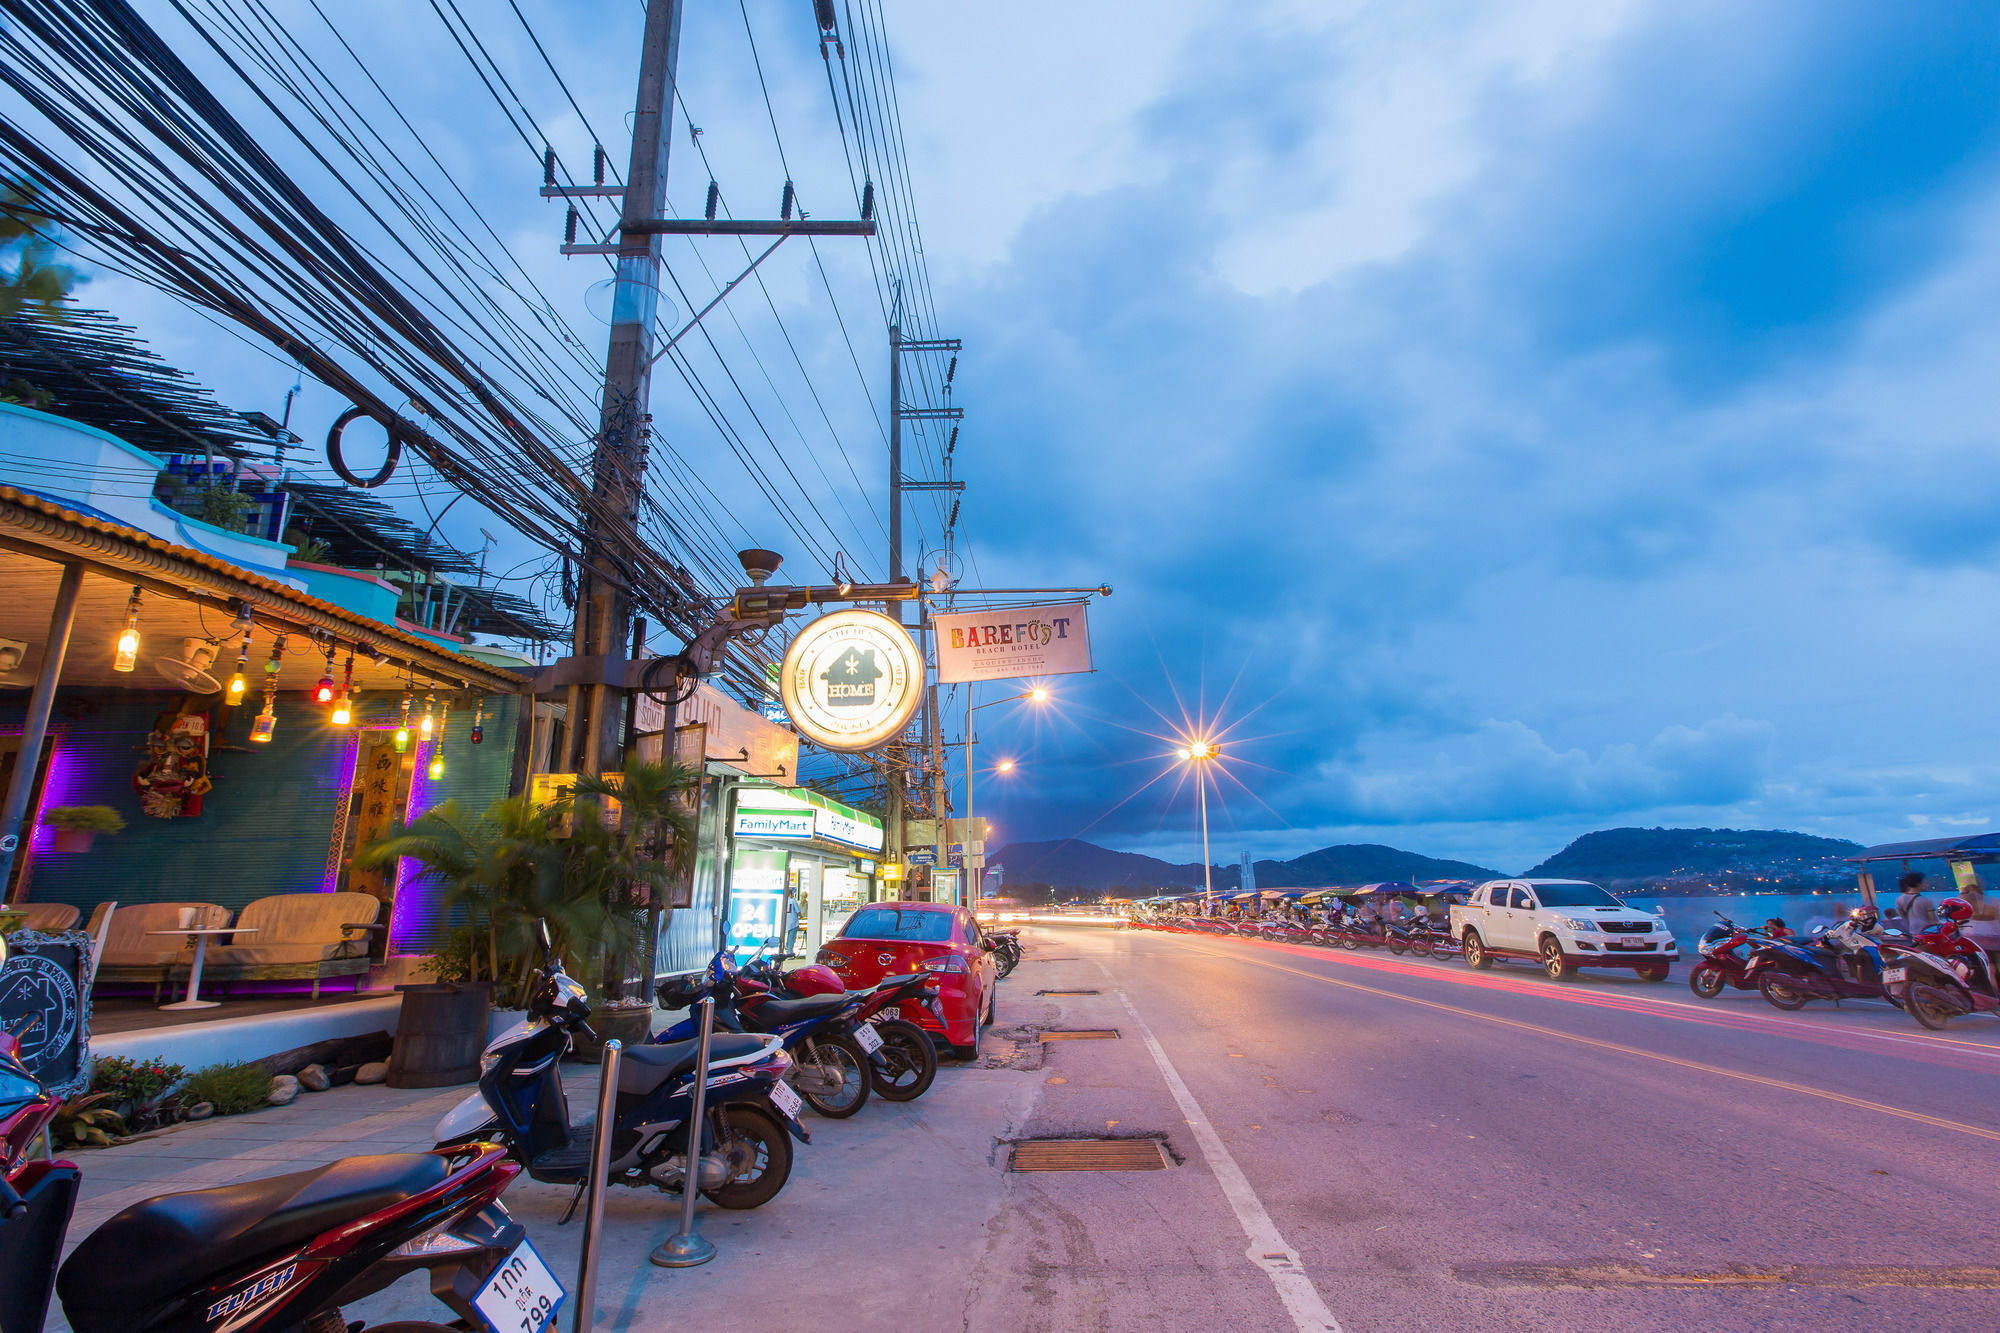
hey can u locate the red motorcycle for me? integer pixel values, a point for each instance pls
(1942, 975)
(279, 1255)
(1725, 950)
(902, 1059)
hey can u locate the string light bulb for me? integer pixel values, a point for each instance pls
(128, 640)
(479, 721)
(237, 683)
(323, 692)
(403, 732)
(427, 723)
(265, 722)
(343, 710)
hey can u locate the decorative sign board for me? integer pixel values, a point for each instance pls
(851, 680)
(1005, 645)
(45, 1004)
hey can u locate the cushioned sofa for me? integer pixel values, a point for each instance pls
(300, 936)
(132, 955)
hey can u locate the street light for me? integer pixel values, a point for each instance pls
(1201, 752)
(1037, 694)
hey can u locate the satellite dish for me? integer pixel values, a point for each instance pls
(190, 669)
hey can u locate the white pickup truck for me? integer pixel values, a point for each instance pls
(1563, 924)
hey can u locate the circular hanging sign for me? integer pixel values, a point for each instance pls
(851, 680)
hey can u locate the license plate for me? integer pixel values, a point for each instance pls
(1891, 975)
(522, 1295)
(891, 1011)
(870, 1040)
(1627, 944)
(786, 1100)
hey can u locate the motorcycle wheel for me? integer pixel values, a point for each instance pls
(1774, 988)
(1349, 942)
(1930, 1006)
(1442, 950)
(903, 1069)
(1396, 946)
(1008, 961)
(759, 1152)
(1706, 981)
(1475, 951)
(409, 1326)
(834, 1057)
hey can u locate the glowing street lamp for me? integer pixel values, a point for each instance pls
(1201, 752)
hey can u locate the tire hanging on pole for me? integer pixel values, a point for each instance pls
(339, 464)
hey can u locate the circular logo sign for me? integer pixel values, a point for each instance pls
(851, 680)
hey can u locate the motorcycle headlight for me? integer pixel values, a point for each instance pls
(487, 1061)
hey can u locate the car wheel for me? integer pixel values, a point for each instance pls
(1658, 972)
(1475, 951)
(1554, 962)
(967, 1054)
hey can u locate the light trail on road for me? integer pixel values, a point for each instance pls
(1973, 1056)
(1858, 1103)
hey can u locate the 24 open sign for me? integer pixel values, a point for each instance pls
(522, 1296)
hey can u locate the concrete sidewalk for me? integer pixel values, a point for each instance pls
(883, 1218)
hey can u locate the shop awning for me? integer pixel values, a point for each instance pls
(1977, 847)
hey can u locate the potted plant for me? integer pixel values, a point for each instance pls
(77, 826)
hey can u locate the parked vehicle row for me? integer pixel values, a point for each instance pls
(1566, 925)
(286, 1253)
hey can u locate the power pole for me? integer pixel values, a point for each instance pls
(603, 608)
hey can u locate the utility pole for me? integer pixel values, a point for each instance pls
(603, 608)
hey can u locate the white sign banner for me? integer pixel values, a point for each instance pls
(774, 823)
(837, 827)
(1003, 645)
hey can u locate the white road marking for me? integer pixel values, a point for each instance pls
(1268, 1249)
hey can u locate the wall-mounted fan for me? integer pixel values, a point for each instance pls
(190, 669)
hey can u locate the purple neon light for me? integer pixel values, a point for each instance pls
(350, 755)
(62, 786)
(412, 908)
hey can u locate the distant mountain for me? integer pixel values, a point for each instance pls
(1090, 868)
(1697, 860)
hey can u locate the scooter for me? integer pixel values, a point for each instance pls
(745, 1150)
(830, 1068)
(1792, 973)
(902, 1059)
(1725, 950)
(1942, 976)
(278, 1255)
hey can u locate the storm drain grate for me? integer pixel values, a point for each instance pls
(1087, 1155)
(1065, 992)
(1081, 1034)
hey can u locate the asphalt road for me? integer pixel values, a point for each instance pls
(1419, 1146)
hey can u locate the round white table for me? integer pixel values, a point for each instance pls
(200, 936)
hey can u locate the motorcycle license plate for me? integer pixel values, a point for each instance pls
(869, 1039)
(786, 1100)
(1892, 975)
(892, 1011)
(522, 1296)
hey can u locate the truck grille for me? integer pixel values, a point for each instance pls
(1625, 927)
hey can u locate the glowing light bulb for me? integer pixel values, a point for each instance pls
(323, 692)
(437, 766)
(427, 722)
(236, 687)
(1039, 694)
(402, 739)
(264, 724)
(128, 649)
(1006, 765)
(343, 712)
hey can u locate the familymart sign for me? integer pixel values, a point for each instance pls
(811, 818)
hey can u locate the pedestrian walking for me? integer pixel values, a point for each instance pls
(1918, 912)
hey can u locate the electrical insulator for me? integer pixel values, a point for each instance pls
(953, 443)
(714, 199)
(954, 513)
(569, 227)
(597, 164)
(951, 370)
(785, 207)
(548, 166)
(868, 201)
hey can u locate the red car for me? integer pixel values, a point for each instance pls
(897, 939)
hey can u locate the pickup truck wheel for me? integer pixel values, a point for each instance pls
(1475, 951)
(1554, 963)
(1656, 972)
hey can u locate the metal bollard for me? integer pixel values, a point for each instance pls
(593, 1201)
(686, 1247)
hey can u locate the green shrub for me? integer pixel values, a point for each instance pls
(231, 1089)
(83, 818)
(135, 1082)
(87, 1122)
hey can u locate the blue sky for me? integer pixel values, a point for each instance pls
(1529, 417)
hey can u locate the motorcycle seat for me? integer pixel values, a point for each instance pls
(165, 1246)
(646, 1067)
(777, 1013)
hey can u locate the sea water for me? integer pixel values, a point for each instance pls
(1689, 916)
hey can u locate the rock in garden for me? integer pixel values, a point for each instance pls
(284, 1089)
(314, 1078)
(373, 1072)
(201, 1110)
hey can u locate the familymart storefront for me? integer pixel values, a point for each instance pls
(800, 863)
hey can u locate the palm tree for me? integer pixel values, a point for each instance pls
(633, 867)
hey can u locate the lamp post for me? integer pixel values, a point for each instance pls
(1201, 753)
(1035, 694)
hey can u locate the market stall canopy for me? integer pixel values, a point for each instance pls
(1978, 847)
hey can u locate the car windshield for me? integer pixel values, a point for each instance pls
(898, 923)
(1574, 893)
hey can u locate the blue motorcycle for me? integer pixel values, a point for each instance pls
(830, 1067)
(1792, 973)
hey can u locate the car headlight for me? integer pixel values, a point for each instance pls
(1576, 923)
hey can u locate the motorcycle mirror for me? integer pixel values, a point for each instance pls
(3, 951)
(547, 943)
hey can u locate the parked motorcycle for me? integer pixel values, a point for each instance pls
(1792, 973)
(744, 1148)
(903, 1062)
(830, 1067)
(1725, 950)
(1942, 975)
(1006, 951)
(262, 1256)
